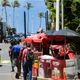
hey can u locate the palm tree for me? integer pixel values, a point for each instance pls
(1, 15)
(28, 6)
(1, 18)
(4, 4)
(41, 15)
(15, 4)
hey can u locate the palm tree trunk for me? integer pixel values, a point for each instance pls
(13, 17)
(40, 23)
(5, 14)
(2, 13)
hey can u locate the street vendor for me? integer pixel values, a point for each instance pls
(62, 52)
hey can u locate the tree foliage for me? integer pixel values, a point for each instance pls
(5, 3)
(71, 12)
(50, 6)
(16, 4)
(40, 15)
(28, 6)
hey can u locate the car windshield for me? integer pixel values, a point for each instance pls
(9, 36)
(16, 36)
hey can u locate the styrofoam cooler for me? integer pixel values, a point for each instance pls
(70, 69)
(41, 71)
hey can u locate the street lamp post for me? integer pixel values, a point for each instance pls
(25, 24)
(57, 15)
(62, 14)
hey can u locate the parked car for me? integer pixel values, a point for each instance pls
(16, 37)
(8, 38)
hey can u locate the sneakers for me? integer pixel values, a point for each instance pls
(17, 76)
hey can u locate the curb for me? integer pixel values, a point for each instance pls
(5, 62)
(40, 78)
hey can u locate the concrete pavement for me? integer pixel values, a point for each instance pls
(6, 74)
(5, 69)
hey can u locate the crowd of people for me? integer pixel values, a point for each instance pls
(18, 52)
(21, 54)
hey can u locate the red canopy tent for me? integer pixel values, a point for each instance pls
(36, 38)
(28, 40)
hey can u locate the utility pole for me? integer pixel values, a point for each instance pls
(57, 15)
(46, 20)
(62, 14)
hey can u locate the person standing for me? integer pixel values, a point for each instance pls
(11, 55)
(16, 50)
(24, 62)
(27, 63)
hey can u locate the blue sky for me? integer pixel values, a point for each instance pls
(38, 6)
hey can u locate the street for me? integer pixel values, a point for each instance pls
(5, 66)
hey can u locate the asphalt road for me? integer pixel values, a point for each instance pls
(5, 69)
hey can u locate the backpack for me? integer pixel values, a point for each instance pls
(30, 55)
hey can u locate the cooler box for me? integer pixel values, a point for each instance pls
(70, 69)
(45, 66)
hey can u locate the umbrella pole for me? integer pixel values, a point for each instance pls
(64, 47)
(65, 54)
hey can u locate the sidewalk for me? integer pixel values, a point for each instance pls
(5, 69)
(6, 74)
